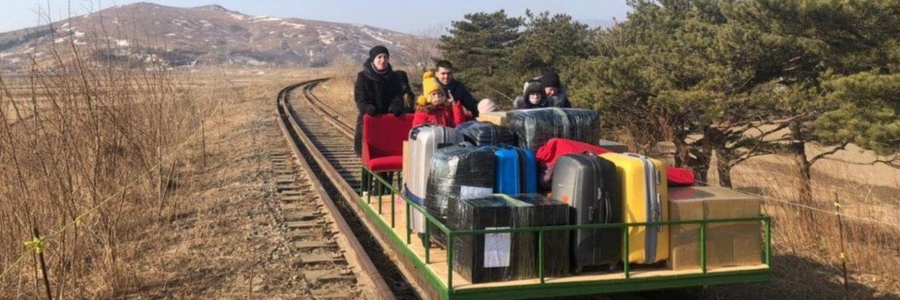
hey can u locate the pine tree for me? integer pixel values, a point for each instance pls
(723, 77)
(478, 46)
(549, 42)
(843, 39)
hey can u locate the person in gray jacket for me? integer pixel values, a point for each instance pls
(532, 96)
(554, 92)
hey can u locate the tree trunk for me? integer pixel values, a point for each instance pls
(804, 188)
(798, 147)
(723, 169)
(699, 163)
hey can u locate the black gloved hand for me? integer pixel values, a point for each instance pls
(370, 110)
(397, 110)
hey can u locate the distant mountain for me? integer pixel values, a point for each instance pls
(205, 35)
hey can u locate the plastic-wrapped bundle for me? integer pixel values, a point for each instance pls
(486, 134)
(535, 127)
(541, 212)
(457, 173)
(492, 257)
(509, 256)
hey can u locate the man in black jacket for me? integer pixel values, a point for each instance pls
(455, 90)
(377, 91)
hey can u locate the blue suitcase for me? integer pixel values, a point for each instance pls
(516, 171)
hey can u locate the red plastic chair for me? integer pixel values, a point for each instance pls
(382, 145)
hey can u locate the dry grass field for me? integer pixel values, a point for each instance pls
(808, 240)
(144, 185)
(150, 184)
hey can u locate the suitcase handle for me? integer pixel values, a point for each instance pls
(608, 209)
(465, 144)
(634, 154)
(659, 211)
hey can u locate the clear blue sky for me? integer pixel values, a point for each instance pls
(400, 15)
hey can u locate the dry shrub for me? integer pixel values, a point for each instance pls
(90, 155)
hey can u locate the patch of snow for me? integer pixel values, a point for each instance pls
(171, 34)
(77, 42)
(79, 34)
(376, 35)
(122, 43)
(265, 19)
(292, 35)
(248, 60)
(261, 73)
(59, 40)
(14, 60)
(4, 54)
(295, 25)
(238, 16)
(64, 25)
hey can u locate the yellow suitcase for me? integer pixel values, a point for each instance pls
(644, 199)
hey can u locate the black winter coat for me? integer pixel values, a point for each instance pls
(380, 93)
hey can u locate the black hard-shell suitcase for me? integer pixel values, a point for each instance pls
(486, 134)
(589, 184)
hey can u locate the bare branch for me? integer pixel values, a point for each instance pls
(840, 147)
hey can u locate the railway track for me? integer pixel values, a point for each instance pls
(323, 146)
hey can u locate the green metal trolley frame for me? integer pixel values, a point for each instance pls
(542, 288)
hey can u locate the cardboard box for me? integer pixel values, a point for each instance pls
(495, 118)
(727, 244)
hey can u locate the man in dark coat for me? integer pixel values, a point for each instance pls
(455, 90)
(378, 90)
(555, 90)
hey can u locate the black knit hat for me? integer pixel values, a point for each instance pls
(550, 79)
(378, 50)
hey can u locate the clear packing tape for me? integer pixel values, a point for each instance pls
(458, 172)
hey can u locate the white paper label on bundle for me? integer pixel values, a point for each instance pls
(496, 248)
(472, 192)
